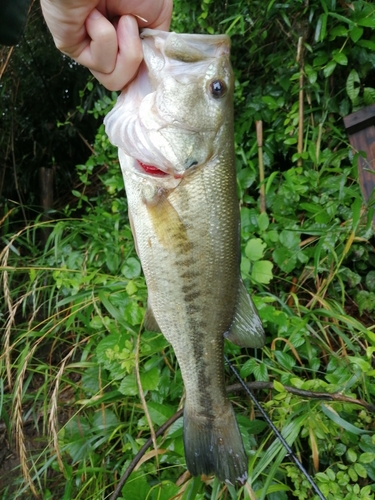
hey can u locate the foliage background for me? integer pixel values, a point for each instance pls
(72, 307)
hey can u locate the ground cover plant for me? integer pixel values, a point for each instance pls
(83, 387)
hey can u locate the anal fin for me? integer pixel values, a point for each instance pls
(246, 329)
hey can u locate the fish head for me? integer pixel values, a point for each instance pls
(175, 115)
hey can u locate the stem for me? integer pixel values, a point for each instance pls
(301, 99)
(259, 130)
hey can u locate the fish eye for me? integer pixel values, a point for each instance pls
(218, 88)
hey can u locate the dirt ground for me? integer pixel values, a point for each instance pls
(10, 470)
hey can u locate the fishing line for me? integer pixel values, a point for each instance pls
(276, 432)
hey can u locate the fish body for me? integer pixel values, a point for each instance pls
(174, 129)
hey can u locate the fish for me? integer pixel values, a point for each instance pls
(173, 126)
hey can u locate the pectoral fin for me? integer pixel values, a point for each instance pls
(246, 329)
(150, 322)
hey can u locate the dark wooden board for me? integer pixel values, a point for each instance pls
(360, 127)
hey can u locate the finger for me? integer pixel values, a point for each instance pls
(163, 21)
(155, 14)
(129, 55)
(100, 48)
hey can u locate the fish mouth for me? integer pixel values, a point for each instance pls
(154, 171)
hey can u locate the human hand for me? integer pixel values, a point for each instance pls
(104, 34)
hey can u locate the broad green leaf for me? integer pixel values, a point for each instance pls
(311, 74)
(128, 386)
(367, 458)
(90, 380)
(329, 69)
(270, 180)
(252, 426)
(136, 487)
(245, 267)
(285, 359)
(176, 429)
(370, 281)
(260, 372)
(160, 413)
(278, 387)
(321, 28)
(248, 367)
(344, 107)
(134, 313)
(340, 30)
(132, 268)
(352, 455)
(286, 259)
(254, 249)
(351, 88)
(367, 44)
(165, 490)
(263, 221)
(150, 379)
(365, 301)
(153, 343)
(112, 261)
(262, 271)
(290, 239)
(369, 95)
(364, 365)
(131, 288)
(340, 58)
(353, 475)
(360, 470)
(249, 220)
(367, 22)
(271, 237)
(105, 421)
(290, 141)
(356, 33)
(320, 60)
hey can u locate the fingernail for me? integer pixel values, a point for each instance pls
(131, 26)
(95, 14)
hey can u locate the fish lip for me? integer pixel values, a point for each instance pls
(151, 170)
(209, 39)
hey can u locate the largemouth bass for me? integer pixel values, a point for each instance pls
(173, 126)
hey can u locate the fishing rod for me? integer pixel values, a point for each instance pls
(275, 430)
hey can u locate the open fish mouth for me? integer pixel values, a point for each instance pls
(153, 171)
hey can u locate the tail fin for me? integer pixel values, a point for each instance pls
(214, 445)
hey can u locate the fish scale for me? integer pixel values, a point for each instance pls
(177, 118)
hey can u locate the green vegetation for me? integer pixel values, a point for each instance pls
(72, 357)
